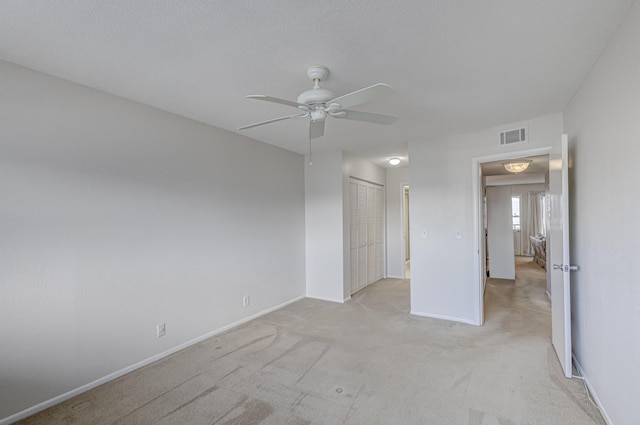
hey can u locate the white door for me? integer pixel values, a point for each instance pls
(362, 237)
(371, 234)
(366, 233)
(558, 255)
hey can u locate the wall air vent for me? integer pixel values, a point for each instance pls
(516, 135)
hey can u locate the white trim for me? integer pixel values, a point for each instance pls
(479, 264)
(596, 399)
(84, 388)
(315, 297)
(367, 181)
(405, 222)
(477, 216)
(442, 317)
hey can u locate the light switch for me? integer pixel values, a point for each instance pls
(425, 234)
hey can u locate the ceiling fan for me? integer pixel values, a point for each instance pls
(318, 103)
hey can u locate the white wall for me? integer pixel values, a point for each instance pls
(443, 277)
(114, 217)
(396, 179)
(324, 227)
(500, 233)
(354, 166)
(603, 123)
(328, 221)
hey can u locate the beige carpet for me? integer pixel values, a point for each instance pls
(364, 362)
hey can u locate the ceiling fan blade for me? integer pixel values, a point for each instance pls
(316, 129)
(278, 100)
(364, 95)
(366, 117)
(273, 120)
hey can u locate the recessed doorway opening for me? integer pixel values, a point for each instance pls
(488, 173)
(406, 232)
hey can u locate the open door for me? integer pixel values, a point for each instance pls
(558, 246)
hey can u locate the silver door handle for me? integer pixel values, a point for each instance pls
(565, 267)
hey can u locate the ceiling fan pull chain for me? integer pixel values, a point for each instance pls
(310, 161)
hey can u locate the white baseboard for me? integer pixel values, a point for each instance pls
(110, 377)
(450, 318)
(594, 395)
(315, 297)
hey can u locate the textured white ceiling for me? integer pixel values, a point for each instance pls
(457, 65)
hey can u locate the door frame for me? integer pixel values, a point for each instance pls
(479, 262)
(405, 223)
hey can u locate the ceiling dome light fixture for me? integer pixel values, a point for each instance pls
(518, 166)
(394, 161)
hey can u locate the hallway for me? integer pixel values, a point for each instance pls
(524, 300)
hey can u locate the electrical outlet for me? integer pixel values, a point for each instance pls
(246, 301)
(161, 329)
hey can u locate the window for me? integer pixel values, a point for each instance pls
(515, 211)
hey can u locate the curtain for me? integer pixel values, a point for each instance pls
(535, 222)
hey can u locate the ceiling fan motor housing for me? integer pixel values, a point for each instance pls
(316, 96)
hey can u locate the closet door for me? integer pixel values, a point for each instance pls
(371, 234)
(362, 236)
(366, 233)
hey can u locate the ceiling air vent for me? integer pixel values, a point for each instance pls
(517, 135)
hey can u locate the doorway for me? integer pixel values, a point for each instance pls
(406, 232)
(483, 169)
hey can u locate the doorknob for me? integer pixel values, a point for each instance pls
(565, 267)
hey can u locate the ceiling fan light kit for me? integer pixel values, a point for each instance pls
(518, 166)
(318, 103)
